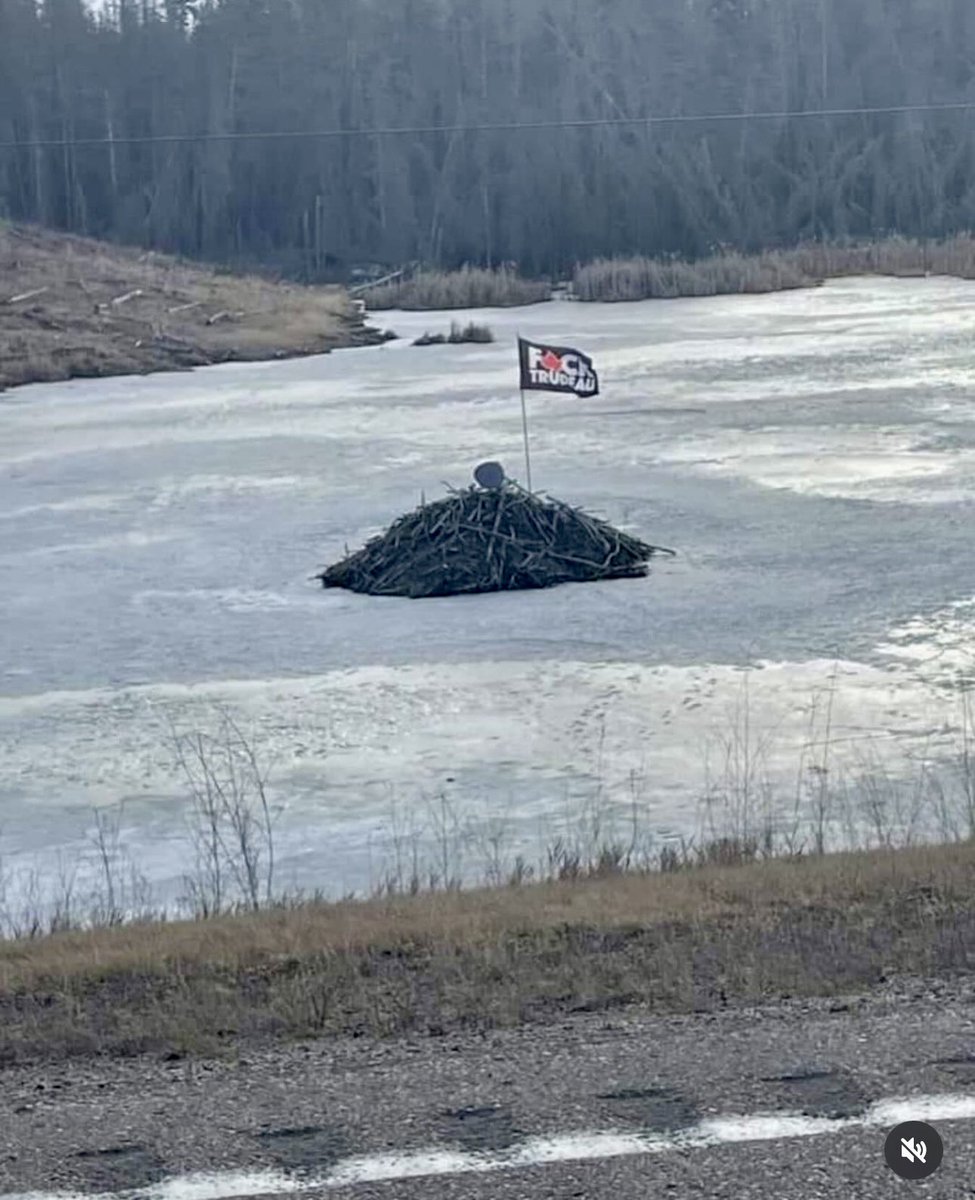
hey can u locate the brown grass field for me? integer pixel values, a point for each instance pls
(73, 307)
(691, 939)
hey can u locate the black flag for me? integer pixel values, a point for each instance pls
(556, 369)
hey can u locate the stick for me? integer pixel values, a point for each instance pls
(362, 287)
(26, 295)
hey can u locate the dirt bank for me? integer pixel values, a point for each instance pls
(696, 939)
(74, 307)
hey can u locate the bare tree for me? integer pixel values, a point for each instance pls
(544, 198)
(231, 817)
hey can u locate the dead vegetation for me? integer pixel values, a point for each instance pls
(898, 256)
(728, 272)
(470, 287)
(74, 307)
(639, 278)
(694, 938)
(459, 335)
(652, 279)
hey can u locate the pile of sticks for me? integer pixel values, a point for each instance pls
(490, 540)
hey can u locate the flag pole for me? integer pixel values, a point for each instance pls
(524, 422)
(524, 427)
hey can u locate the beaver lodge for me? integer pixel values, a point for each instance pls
(490, 540)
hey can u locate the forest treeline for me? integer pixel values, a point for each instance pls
(542, 198)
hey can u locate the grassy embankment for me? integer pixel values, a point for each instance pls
(73, 307)
(695, 937)
(727, 273)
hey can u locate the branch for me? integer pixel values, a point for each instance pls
(26, 295)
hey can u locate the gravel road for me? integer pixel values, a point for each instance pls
(342, 1111)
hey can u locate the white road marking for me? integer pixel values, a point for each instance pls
(540, 1151)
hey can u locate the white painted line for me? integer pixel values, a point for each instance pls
(541, 1151)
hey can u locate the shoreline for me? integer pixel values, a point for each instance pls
(76, 308)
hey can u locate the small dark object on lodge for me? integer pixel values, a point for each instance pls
(490, 540)
(489, 474)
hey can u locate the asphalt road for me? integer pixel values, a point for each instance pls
(460, 1113)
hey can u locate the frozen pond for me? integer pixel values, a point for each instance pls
(810, 454)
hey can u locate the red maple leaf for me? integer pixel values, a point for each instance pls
(551, 361)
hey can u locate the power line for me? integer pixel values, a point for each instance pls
(494, 127)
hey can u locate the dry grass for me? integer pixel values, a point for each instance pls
(653, 279)
(640, 278)
(728, 272)
(93, 309)
(691, 939)
(459, 335)
(893, 256)
(471, 287)
(471, 332)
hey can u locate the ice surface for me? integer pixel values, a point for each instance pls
(811, 455)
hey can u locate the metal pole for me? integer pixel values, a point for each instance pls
(524, 426)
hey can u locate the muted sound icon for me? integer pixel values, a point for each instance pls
(914, 1150)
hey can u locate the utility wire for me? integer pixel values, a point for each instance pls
(494, 127)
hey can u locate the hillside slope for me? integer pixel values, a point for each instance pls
(73, 306)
